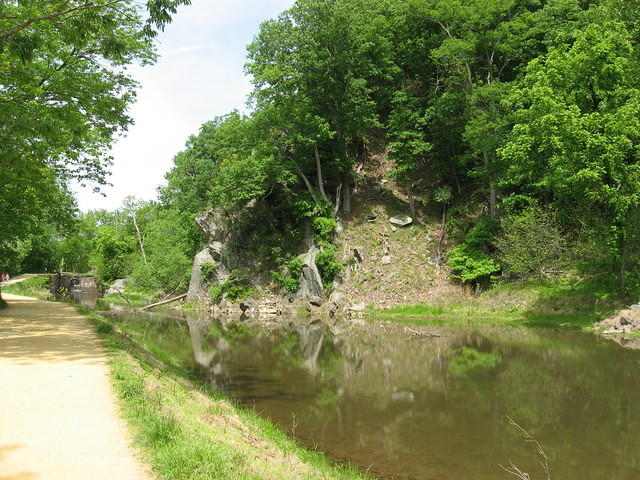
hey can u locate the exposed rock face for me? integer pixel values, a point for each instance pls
(213, 228)
(117, 287)
(336, 301)
(310, 279)
(199, 285)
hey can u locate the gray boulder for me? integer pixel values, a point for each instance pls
(310, 279)
(199, 285)
(117, 287)
(336, 299)
(315, 300)
(401, 220)
(358, 307)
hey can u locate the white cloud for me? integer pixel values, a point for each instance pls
(198, 76)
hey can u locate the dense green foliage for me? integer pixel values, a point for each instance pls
(483, 101)
(531, 242)
(476, 109)
(64, 94)
(471, 261)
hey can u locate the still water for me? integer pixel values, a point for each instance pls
(407, 407)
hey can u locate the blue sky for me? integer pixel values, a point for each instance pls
(198, 76)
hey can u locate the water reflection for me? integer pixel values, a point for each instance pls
(86, 297)
(427, 408)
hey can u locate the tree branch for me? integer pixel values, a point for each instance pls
(307, 183)
(87, 6)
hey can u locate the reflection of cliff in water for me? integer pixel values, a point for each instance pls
(425, 407)
(431, 407)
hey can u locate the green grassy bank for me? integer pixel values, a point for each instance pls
(186, 432)
(562, 304)
(36, 286)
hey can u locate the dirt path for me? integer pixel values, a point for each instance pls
(18, 279)
(58, 417)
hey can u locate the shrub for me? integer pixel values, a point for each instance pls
(235, 289)
(216, 293)
(290, 279)
(207, 269)
(471, 261)
(530, 243)
(328, 267)
(471, 265)
(324, 227)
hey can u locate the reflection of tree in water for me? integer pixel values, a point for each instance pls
(382, 397)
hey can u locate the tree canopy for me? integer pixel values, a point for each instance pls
(64, 95)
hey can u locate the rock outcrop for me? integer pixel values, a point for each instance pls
(213, 253)
(214, 264)
(310, 279)
(625, 321)
(116, 287)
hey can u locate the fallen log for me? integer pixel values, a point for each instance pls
(157, 304)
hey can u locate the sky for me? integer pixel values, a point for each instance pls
(199, 75)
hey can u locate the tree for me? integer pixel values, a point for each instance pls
(64, 96)
(64, 63)
(323, 61)
(530, 243)
(577, 132)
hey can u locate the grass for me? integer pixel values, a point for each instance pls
(135, 299)
(187, 432)
(3, 304)
(471, 317)
(561, 304)
(37, 286)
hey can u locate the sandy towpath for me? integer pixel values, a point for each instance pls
(58, 417)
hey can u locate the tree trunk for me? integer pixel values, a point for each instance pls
(623, 267)
(164, 302)
(336, 209)
(140, 242)
(440, 254)
(319, 170)
(492, 188)
(457, 180)
(346, 196)
(308, 184)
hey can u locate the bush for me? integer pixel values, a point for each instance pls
(471, 261)
(290, 280)
(530, 243)
(328, 267)
(235, 289)
(207, 269)
(324, 227)
(471, 265)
